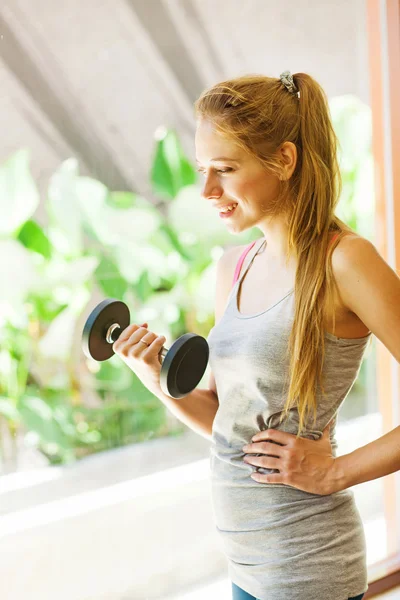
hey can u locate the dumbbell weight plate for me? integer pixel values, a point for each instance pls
(184, 365)
(94, 336)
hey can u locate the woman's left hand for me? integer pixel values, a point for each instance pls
(302, 463)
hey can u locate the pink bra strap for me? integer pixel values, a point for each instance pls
(241, 260)
(245, 253)
(334, 237)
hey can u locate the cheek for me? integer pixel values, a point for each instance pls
(265, 190)
(246, 190)
(253, 192)
(251, 187)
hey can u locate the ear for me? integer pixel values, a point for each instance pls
(289, 156)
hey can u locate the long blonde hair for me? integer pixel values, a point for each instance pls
(259, 114)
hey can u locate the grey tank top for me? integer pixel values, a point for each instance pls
(281, 543)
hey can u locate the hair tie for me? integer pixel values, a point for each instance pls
(287, 79)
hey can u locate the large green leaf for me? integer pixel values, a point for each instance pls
(173, 238)
(171, 170)
(32, 236)
(109, 278)
(19, 197)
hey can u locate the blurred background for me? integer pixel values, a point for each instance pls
(104, 494)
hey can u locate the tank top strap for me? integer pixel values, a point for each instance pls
(245, 253)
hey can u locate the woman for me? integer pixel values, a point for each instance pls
(287, 346)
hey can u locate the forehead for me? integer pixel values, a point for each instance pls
(209, 143)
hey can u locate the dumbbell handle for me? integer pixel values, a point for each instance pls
(113, 335)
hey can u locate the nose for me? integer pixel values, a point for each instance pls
(211, 189)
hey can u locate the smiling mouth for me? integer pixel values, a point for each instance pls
(228, 212)
(228, 207)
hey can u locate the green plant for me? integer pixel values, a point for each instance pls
(95, 241)
(158, 257)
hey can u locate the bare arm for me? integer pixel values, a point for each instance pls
(197, 410)
(377, 459)
(370, 289)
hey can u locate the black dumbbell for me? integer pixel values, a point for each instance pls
(183, 365)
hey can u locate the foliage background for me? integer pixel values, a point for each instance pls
(160, 260)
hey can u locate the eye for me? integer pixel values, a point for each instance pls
(227, 170)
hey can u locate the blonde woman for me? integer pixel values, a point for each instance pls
(295, 312)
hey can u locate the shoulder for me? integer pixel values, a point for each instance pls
(349, 250)
(226, 266)
(353, 256)
(370, 289)
(228, 261)
(233, 254)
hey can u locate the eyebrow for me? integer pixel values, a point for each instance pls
(221, 158)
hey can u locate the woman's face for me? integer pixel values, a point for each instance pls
(242, 179)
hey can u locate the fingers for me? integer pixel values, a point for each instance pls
(126, 334)
(129, 342)
(147, 355)
(141, 335)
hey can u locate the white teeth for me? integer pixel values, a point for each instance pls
(228, 208)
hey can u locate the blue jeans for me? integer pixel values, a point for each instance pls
(239, 594)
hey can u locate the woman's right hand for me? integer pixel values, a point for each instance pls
(139, 348)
